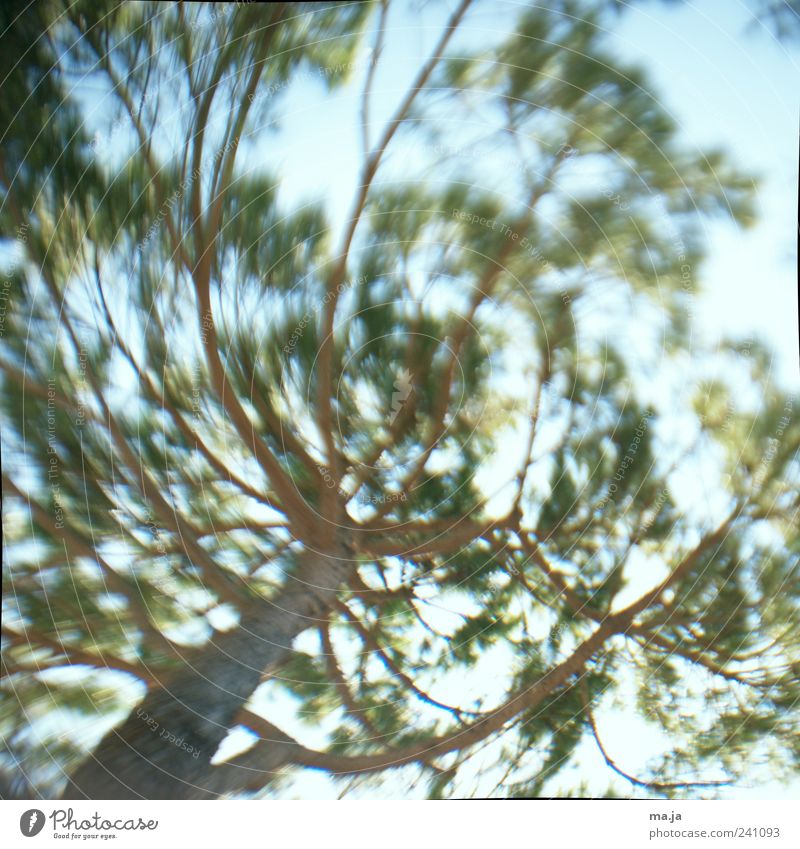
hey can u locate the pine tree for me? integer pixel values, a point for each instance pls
(250, 450)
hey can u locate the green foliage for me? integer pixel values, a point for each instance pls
(382, 376)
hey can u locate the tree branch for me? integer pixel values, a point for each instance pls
(325, 362)
(650, 785)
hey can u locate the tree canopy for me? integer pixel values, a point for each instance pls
(399, 491)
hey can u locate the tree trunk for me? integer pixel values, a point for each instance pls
(162, 750)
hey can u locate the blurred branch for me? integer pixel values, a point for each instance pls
(377, 48)
(191, 436)
(460, 534)
(77, 547)
(466, 327)
(65, 655)
(373, 645)
(325, 361)
(201, 276)
(340, 682)
(648, 640)
(650, 785)
(680, 571)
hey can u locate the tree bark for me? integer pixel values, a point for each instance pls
(163, 749)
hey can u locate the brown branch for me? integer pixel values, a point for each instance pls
(458, 740)
(464, 330)
(239, 417)
(79, 548)
(650, 785)
(143, 480)
(66, 655)
(343, 688)
(144, 138)
(376, 52)
(527, 462)
(285, 436)
(197, 137)
(648, 640)
(160, 398)
(680, 571)
(225, 172)
(443, 542)
(530, 697)
(324, 413)
(247, 771)
(638, 631)
(557, 579)
(300, 515)
(371, 642)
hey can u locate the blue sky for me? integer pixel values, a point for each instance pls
(725, 86)
(737, 89)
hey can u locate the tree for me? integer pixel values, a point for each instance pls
(247, 455)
